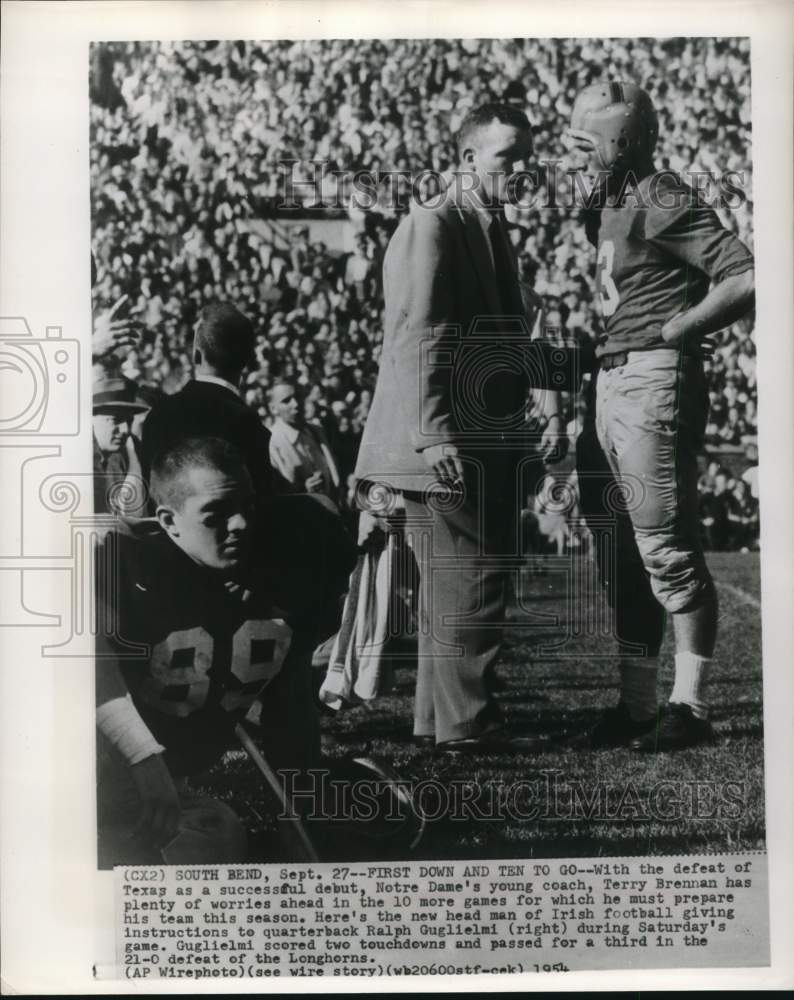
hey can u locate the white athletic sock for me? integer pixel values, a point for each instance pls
(691, 675)
(638, 686)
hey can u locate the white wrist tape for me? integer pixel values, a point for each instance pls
(119, 721)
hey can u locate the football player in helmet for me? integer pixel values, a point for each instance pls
(216, 604)
(668, 274)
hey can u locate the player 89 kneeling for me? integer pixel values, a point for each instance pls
(211, 606)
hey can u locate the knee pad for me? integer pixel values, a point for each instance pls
(680, 579)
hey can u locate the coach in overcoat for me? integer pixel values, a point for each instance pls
(447, 423)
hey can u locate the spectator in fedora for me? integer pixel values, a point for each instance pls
(116, 459)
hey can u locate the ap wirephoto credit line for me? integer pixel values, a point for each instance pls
(419, 565)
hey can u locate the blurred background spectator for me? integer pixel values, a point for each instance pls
(728, 511)
(299, 449)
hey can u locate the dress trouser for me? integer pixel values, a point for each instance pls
(462, 543)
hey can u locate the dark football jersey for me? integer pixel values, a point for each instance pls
(209, 650)
(658, 252)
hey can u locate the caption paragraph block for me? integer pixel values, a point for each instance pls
(440, 918)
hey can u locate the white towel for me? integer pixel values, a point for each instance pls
(358, 670)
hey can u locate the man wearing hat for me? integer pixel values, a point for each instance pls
(115, 456)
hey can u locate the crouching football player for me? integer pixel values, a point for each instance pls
(668, 274)
(216, 604)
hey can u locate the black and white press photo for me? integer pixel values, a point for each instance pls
(455, 338)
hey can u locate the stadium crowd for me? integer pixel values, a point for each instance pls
(728, 512)
(188, 147)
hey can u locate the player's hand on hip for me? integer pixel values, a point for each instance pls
(160, 807)
(444, 460)
(706, 348)
(673, 330)
(554, 441)
(675, 333)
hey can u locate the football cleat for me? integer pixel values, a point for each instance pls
(678, 729)
(615, 728)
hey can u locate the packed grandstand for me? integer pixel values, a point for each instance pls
(194, 146)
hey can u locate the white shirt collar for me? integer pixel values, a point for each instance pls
(219, 381)
(290, 433)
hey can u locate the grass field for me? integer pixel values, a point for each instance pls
(567, 803)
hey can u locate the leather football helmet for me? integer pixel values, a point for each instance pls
(619, 119)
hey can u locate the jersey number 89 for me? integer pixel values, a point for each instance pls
(178, 682)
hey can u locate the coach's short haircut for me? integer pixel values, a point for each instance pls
(481, 117)
(225, 337)
(168, 480)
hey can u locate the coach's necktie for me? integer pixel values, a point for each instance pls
(509, 292)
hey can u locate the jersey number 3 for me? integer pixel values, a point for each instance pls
(607, 289)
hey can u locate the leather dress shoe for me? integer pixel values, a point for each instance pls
(493, 741)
